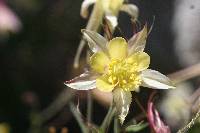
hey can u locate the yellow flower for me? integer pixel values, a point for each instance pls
(108, 9)
(119, 67)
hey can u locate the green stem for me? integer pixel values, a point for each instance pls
(116, 125)
(77, 115)
(107, 120)
(89, 106)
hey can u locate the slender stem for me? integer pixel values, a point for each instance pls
(108, 118)
(58, 104)
(185, 74)
(140, 106)
(136, 119)
(195, 95)
(78, 118)
(116, 125)
(89, 106)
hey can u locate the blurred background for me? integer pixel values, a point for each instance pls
(38, 41)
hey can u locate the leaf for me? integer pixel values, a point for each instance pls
(122, 100)
(85, 81)
(136, 128)
(156, 80)
(96, 42)
(131, 9)
(138, 41)
(84, 7)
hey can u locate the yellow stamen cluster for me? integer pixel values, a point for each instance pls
(123, 74)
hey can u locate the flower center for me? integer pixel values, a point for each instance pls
(123, 74)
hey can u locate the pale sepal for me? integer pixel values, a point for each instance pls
(95, 41)
(122, 100)
(131, 9)
(138, 41)
(156, 80)
(85, 81)
(84, 7)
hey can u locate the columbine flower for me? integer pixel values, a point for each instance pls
(110, 8)
(107, 8)
(120, 67)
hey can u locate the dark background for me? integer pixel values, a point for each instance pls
(35, 62)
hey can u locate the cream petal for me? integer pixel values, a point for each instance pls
(98, 62)
(122, 100)
(156, 80)
(84, 7)
(117, 48)
(142, 60)
(95, 41)
(138, 41)
(85, 81)
(131, 9)
(103, 84)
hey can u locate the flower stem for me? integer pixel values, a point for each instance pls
(116, 125)
(107, 120)
(89, 106)
(78, 118)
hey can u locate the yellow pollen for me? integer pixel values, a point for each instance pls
(124, 74)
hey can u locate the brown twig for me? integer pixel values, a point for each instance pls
(185, 74)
